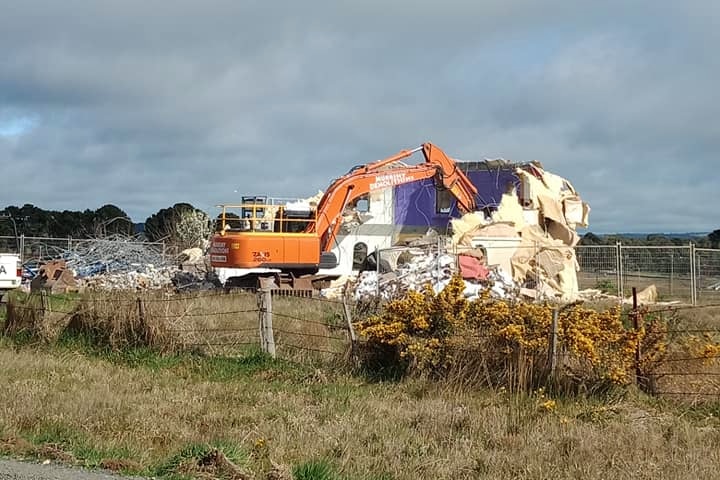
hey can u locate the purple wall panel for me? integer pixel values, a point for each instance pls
(415, 202)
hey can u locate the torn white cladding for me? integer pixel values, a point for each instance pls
(191, 255)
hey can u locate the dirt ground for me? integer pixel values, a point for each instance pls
(14, 470)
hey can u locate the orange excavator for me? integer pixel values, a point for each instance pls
(275, 237)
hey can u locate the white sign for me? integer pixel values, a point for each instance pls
(390, 179)
(219, 247)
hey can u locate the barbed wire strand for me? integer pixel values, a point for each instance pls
(211, 330)
(318, 350)
(313, 335)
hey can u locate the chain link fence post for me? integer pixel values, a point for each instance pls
(618, 269)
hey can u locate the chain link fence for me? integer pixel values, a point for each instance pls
(599, 268)
(707, 275)
(679, 273)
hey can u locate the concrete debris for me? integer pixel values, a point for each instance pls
(647, 295)
(594, 294)
(192, 256)
(151, 278)
(147, 277)
(435, 270)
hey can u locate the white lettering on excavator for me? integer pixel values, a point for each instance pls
(218, 258)
(219, 247)
(390, 179)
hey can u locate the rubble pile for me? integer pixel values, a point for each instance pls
(143, 277)
(189, 273)
(119, 263)
(434, 269)
(111, 255)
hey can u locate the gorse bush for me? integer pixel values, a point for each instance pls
(503, 343)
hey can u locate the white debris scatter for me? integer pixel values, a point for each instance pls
(424, 269)
(145, 277)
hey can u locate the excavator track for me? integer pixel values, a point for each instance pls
(282, 284)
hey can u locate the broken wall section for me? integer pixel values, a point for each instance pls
(531, 235)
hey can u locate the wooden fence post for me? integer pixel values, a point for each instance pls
(39, 320)
(44, 302)
(267, 338)
(351, 331)
(636, 326)
(141, 322)
(552, 345)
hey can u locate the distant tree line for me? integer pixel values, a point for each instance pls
(184, 223)
(37, 222)
(181, 223)
(712, 240)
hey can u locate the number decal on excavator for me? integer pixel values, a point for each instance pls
(261, 256)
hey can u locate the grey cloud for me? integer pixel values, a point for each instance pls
(147, 104)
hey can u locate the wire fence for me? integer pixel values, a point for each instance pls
(321, 330)
(690, 369)
(679, 273)
(214, 323)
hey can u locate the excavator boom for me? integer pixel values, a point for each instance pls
(387, 173)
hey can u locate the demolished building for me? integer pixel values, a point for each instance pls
(525, 225)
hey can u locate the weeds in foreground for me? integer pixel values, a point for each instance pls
(315, 470)
(185, 420)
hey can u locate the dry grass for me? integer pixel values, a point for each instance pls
(155, 403)
(211, 323)
(263, 415)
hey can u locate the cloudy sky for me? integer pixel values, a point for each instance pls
(146, 103)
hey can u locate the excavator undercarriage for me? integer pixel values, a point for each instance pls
(282, 283)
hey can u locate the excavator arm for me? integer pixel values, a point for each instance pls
(387, 173)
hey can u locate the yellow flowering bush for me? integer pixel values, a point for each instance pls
(705, 348)
(509, 341)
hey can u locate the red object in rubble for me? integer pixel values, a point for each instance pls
(472, 269)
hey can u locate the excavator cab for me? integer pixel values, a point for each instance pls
(252, 213)
(293, 221)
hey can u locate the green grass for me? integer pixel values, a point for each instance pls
(193, 454)
(315, 470)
